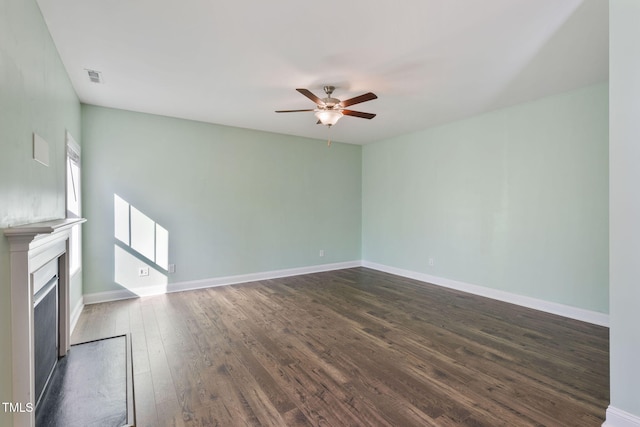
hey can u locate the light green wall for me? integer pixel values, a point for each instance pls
(624, 116)
(515, 200)
(234, 201)
(35, 96)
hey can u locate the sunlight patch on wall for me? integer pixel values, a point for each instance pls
(126, 274)
(140, 243)
(142, 232)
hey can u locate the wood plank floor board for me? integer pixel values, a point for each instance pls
(297, 376)
(541, 357)
(140, 353)
(355, 347)
(185, 351)
(228, 369)
(165, 393)
(146, 411)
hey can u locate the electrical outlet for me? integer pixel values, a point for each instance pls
(321, 252)
(431, 262)
(143, 271)
(172, 268)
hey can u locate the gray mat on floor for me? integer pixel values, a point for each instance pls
(90, 386)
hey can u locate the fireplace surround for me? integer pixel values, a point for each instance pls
(33, 247)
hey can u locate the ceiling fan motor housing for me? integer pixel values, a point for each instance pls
(330, 102)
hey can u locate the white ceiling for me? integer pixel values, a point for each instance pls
(235, 62)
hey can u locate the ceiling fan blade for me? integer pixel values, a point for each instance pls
(358, 114)
(311, 96)
(369, 96)
(292, 111)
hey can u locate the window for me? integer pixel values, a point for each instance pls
(74, 203)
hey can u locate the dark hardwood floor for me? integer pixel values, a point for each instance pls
(354, 347)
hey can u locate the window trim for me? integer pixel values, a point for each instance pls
(73, 154)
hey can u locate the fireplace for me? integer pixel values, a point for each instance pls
(39, 276)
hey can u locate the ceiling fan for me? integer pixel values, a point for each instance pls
(329, 110)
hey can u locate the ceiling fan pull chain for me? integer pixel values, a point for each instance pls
(329, 139)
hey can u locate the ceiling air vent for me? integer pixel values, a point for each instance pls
(94, 76)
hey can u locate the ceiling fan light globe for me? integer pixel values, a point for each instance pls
(328, 117)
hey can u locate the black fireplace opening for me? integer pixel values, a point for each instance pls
(45, 325)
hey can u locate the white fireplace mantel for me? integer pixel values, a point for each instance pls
(31, 247)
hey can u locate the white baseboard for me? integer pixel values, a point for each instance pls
(254, 277)
(98, 297)
(593, 317)
(75, 314)
(108, 296)
(619, 418)
(534, 303)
